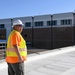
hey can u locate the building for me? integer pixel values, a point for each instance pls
(44, 31)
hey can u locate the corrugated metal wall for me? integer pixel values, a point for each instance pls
(48, 38)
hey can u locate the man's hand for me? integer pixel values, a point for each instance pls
(20, 59)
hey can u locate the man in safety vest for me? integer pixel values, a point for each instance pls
(16, 51)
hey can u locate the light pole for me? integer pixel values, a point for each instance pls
(32, 32)
(51, 32)
(11, 23)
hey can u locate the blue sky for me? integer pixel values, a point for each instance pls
(22, 8)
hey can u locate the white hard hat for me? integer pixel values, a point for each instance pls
(17, 22)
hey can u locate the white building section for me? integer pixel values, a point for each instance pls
(33, 24)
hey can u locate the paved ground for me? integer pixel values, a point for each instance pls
(53, 62)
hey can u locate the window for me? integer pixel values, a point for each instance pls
(28, 24)
(53, 22)
(70, 21)
(2, 26)
(66, 22)
(40, 23)
(48, 23)
(2, 36)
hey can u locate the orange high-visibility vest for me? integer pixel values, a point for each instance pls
(11, 56)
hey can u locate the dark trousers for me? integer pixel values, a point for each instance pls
(16, 69)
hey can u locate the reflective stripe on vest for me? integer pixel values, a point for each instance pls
(11, 55)
(11, 52)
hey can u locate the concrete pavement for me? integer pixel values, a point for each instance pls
(51, 62)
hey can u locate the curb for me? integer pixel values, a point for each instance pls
(48, 53)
